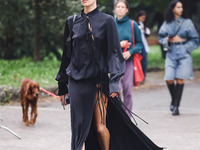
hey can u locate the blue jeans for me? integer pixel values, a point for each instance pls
(178, 63)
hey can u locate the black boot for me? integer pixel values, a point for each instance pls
(171, 88)
(177, 98)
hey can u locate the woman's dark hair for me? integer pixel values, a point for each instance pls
(142, 13)
(169, 15)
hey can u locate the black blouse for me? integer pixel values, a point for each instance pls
(82, 64)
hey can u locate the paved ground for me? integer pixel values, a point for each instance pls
(151, 102)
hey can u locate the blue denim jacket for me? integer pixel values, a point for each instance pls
(186, 30)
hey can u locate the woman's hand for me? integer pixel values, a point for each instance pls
(123, 44)
(176, 39)
(115, 94)
(62, 99)
(126, 55)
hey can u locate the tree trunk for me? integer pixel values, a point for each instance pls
(37, 32)
(8, 48)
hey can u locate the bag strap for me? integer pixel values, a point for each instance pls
(126, 46)
(133, 36)
(178, 28)
(69, 38)
(72, 24)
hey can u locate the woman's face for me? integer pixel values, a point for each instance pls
(88, 3)
(178, 9)
(121, 9)
(142, 18)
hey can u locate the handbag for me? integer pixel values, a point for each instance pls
(138, 72)
(69, 39)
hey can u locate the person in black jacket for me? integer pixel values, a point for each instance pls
(97, 116)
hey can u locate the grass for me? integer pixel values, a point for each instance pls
(155, 59)
(44, 72)
(196, 58)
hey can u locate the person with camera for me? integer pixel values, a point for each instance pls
(91, 52)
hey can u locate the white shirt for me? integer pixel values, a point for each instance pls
(143, 32)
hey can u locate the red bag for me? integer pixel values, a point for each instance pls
(138, 72)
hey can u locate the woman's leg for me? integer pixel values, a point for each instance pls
(128, 86)
(83, 147)
(177, 96)
(179, 81)
(171, 87)
(103, 134)
(170, 81)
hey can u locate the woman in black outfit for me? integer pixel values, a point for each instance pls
(97, 117)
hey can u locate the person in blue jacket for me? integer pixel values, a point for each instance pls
(179, 38)
(126, 37)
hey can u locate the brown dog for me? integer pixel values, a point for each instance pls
(29, 96)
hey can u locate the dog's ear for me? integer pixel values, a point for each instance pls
(28, 89)
(38, 86)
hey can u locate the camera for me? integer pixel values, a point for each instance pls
(66, 99)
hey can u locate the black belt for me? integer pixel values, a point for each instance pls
(177, 43)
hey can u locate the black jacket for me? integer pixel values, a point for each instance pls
(82, 65)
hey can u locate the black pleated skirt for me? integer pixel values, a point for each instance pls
(124, 135)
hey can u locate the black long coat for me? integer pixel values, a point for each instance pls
(81, 73)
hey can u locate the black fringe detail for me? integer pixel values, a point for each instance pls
(103, 80)
(105, 84)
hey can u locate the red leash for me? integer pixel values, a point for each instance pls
(49, 93)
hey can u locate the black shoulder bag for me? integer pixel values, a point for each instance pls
(162, 48)
(178, 29)
(69, 39)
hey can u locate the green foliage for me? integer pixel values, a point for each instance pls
(157, 5)
(196, 58)
(155, 58)
(14, 28)
(44, 72)
(18, 25)
(9, 96)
